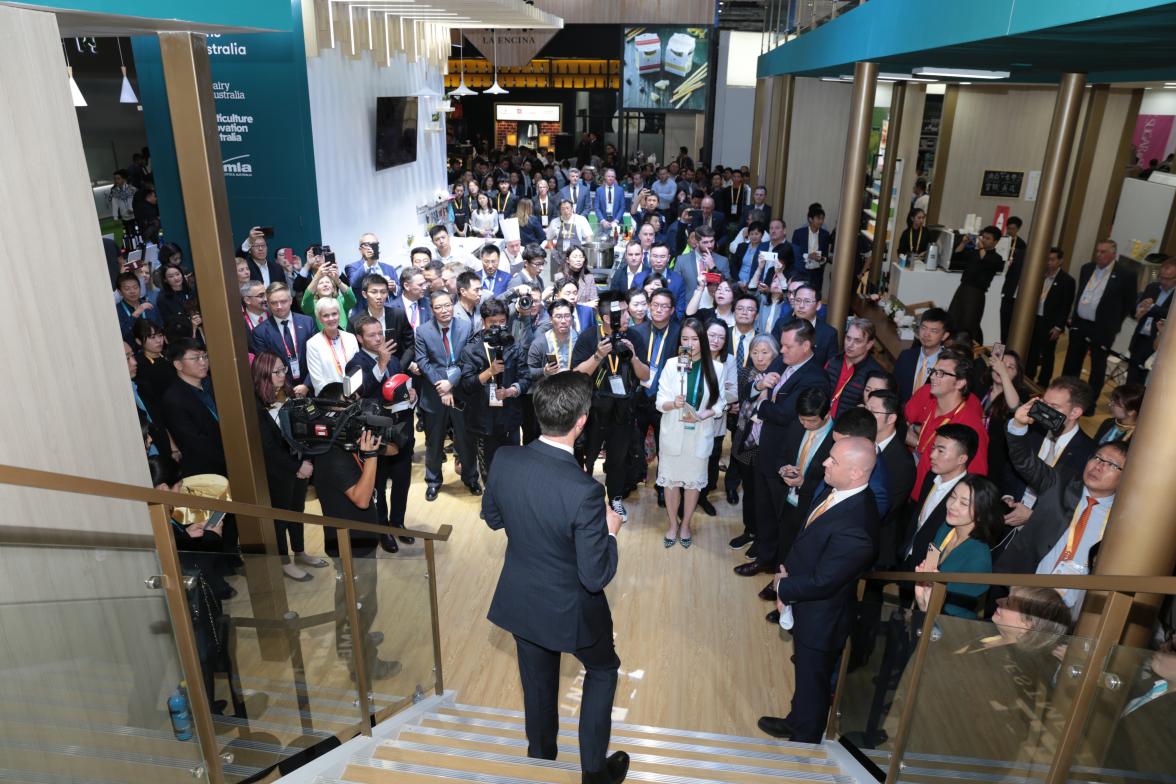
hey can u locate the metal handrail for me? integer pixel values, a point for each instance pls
(68, 483)
(1088, 582)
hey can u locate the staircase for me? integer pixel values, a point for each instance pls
(489, 745)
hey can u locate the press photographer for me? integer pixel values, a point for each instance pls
(493, 377)
(612, 355)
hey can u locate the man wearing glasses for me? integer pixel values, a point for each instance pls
(191, 414)
(805, 304)
(944, 399)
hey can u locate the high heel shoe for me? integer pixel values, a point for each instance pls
(686, 542)
(667, 542)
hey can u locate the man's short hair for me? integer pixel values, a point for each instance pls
(491, 308)
(1015, 221)
(662, 292)
(361, 322)
(1108, 241)
(421, 249)
(813, 401)
(488, 249)
(435, 295)
(863, 324)
(560, 400)
(557, 303)
(275, 287)
(704, 231)
(882, 374)
(438, 229)
(407, 274)
(804, 330)
(534, 251)
(856, 422)
(178, 348)
(937, 315)
(435, 265)
(608, 297)
(1081, 394)
(964, 437)
(467, 279)
(756, 225)
(963, 367)
(657, 244)
(1057, 251)
(993, 232)
(247, 288)
(372, 279)
(888, 398)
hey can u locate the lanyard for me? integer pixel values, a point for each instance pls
(334, 356)
(543, 207)
(498, 200)
(848, 377)
(661, 346)
(614, 362)
(915, 242)
(289, 354)
(926, 435)
(554, 348)
(946, 541)
(694, 385)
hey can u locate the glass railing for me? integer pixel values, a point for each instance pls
(138, 663)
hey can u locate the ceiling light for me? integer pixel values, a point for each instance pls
(127, 95)
(461, 91)
(496, 88)
(960, 73)
(74, 92)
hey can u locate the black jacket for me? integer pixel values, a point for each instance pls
(195, 430)
(1050, 519)
(1117, 301)
(779, 414)
(1033, 472)
(480, 416)
(559, 556)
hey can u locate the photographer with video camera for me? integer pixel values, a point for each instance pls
(612, 355)
(378, 363)
(345, 482)
(493, 378)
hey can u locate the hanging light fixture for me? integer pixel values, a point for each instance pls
(128, 93)
(496, 88)
(461, 91)
(74, 92)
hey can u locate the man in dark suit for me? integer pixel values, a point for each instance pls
(659, 333)
(953, 448)
(368, 263)
(811, 245)
(412, 302)
(1053, 311)
(260, 268)
(579, 194)
(710, 217)
(659, 260)
(1152, 307)
(805, 302)
(376, 360)
(1106, 296)
(847, 371)
(914, 363)
(807, 443)
(393, 320)
(284, 333)
(1036, 454)
(815, 593)
(1008, 292)
(190, 412)
(561, 553)
(792, 372)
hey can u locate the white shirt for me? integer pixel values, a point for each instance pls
(814, 241)
(327, 361)
(1093, 293)
(377, 372)
(940, 489)
(1051, 449)
(1046, 285)
(557, 445)
(886, 442)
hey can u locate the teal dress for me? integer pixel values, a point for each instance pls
(969, 556)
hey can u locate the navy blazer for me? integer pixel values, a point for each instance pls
(433, 361)
(559, 556)
(824, 564)
(353, 275)
(276, 273)
(825, 341)
(582, 203)
(918, 539)
(779, 414)
(601, 203)
(670, 341)
(620, 277)
(674, 283)
(800, 244)
(266, 336)
(426, 313)
(904, 371)
(501, 281)
(371, 386)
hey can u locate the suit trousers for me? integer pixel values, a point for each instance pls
(369, 600)
(748, 507)
(1083, 338)
(437, 424)
(295, 502)
(486, 444)
(812, 696)
(966, 310)
(1042, 351)
(612, 429)
(539, 671)
(396, 469)
(770, 498)
(1142, 347)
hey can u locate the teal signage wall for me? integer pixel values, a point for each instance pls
(263, 116)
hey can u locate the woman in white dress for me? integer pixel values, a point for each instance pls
(689, 395)
(716, 336)
(484, 218)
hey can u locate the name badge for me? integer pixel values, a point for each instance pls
(295, 370)
(545, 219)
(617, 385)
(453, 374)
(734, 209)
(492, 389)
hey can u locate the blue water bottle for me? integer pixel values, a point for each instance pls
(181, 717)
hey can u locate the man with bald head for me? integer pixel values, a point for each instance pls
(817, 581)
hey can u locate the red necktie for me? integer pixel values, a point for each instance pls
(445, 340)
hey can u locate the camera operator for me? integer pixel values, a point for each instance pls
(378, 363)
(493, 377)
(613, 356)
(526, 316)
(346, 486)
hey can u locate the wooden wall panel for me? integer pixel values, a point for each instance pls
(816, 149)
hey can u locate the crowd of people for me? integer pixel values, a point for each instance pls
(708, 354)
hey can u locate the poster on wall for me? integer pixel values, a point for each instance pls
(666, 68)
(1151, 137)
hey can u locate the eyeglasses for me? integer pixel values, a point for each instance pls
(443, 306)
(746, 309)
(939, 373)
(279, 371)
(799, 301)
(1106, 462)
(196, 358)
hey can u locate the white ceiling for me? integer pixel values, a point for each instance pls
(460, 13)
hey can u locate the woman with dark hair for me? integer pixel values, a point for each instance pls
(484, 218)
(155, 374)
(716, 336)
(174, 292)
(286, 473)
(170, 254)
(1125, 402)
(689, 395)
(652, 284)
(915, 239)
(1004, 396)
(722, 294)
(975, 519)
(575, 267)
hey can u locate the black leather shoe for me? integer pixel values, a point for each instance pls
(661, 497)
(741, 541)
(773, 617)
(706, 506)
(388, 544)
(777, 728)
(752, 569)
(768, 594)
(616, 767)
(430, 493)
(407, 539)
(475, 487)
(752, 552)
(732, 496)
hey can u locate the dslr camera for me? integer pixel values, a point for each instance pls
(618, 334)
(498, 338)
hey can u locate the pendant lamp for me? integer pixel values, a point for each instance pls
(127, 95)
(461, 91)
(74, 92)
(496, 88)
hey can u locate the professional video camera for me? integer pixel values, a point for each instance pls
(498, 338)
(617, 333)
(314, 425)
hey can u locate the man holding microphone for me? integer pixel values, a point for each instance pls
(561, 553)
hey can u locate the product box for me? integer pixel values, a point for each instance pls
(648, 49)
(680, 54)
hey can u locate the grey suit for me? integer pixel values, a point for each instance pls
(437, 364)
(582, 202)
(687, 267)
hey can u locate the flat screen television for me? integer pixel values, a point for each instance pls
(396, 132)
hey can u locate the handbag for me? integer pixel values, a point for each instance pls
(745, 442)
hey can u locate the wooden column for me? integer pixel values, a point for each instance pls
(878, 253)
(779, 130)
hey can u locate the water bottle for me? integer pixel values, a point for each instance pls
(932, 257)
(181, 717)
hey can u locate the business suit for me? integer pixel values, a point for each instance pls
(550, 594)
(600, 203)
(1051, 517)
(778, 413)
(824, 342)
(1033, 473)
(267, 336)
(686, 266)
(395, 322)
(620, 277)
(1115, 304)
(497, 287)
(716, 220)
(1055, 312)
(355, 272)
(676, 285)
(829, 555)
(195, 428)
(659, 350)
(582, 201)
(423, 313)
(900, 472)
(275, 271)
(916, 538)
(437, 363)
(800, 251)
(791, 519)
(397, 468)
(904, 371)
(1144, 337)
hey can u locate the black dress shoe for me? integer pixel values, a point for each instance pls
(777, 728)
(475, 488)
(616, 767)
(706, 506)
(431, 493)
(773, 617)
(752, 552)
(768, 594)
(741, 541)
(661, 497)
(407, 539)
(388, 544)
(732, 496)
(752, 569)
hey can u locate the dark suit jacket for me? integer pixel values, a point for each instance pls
(501, 280)
(426, 313)
(276, 273)
(1117, 302)
(800, 244)
(1048, 523)
(1033, 472)
(670, 341)
(904, 371)
(371, 386)
(718, 222)
(280, 463)
(559, 556)
(824, 343)
(676, 285)
(1059, 302)
(779, 415)
(824, 565)
(353, 274)
(267, 336)
(852, 394)
(900, 475)
(396, 321)
(1141, 344)
(735, 263)
(195, 430)
(814, 475)
(918, 541)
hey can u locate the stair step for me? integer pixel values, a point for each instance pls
(388, 772)
(638, 730)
